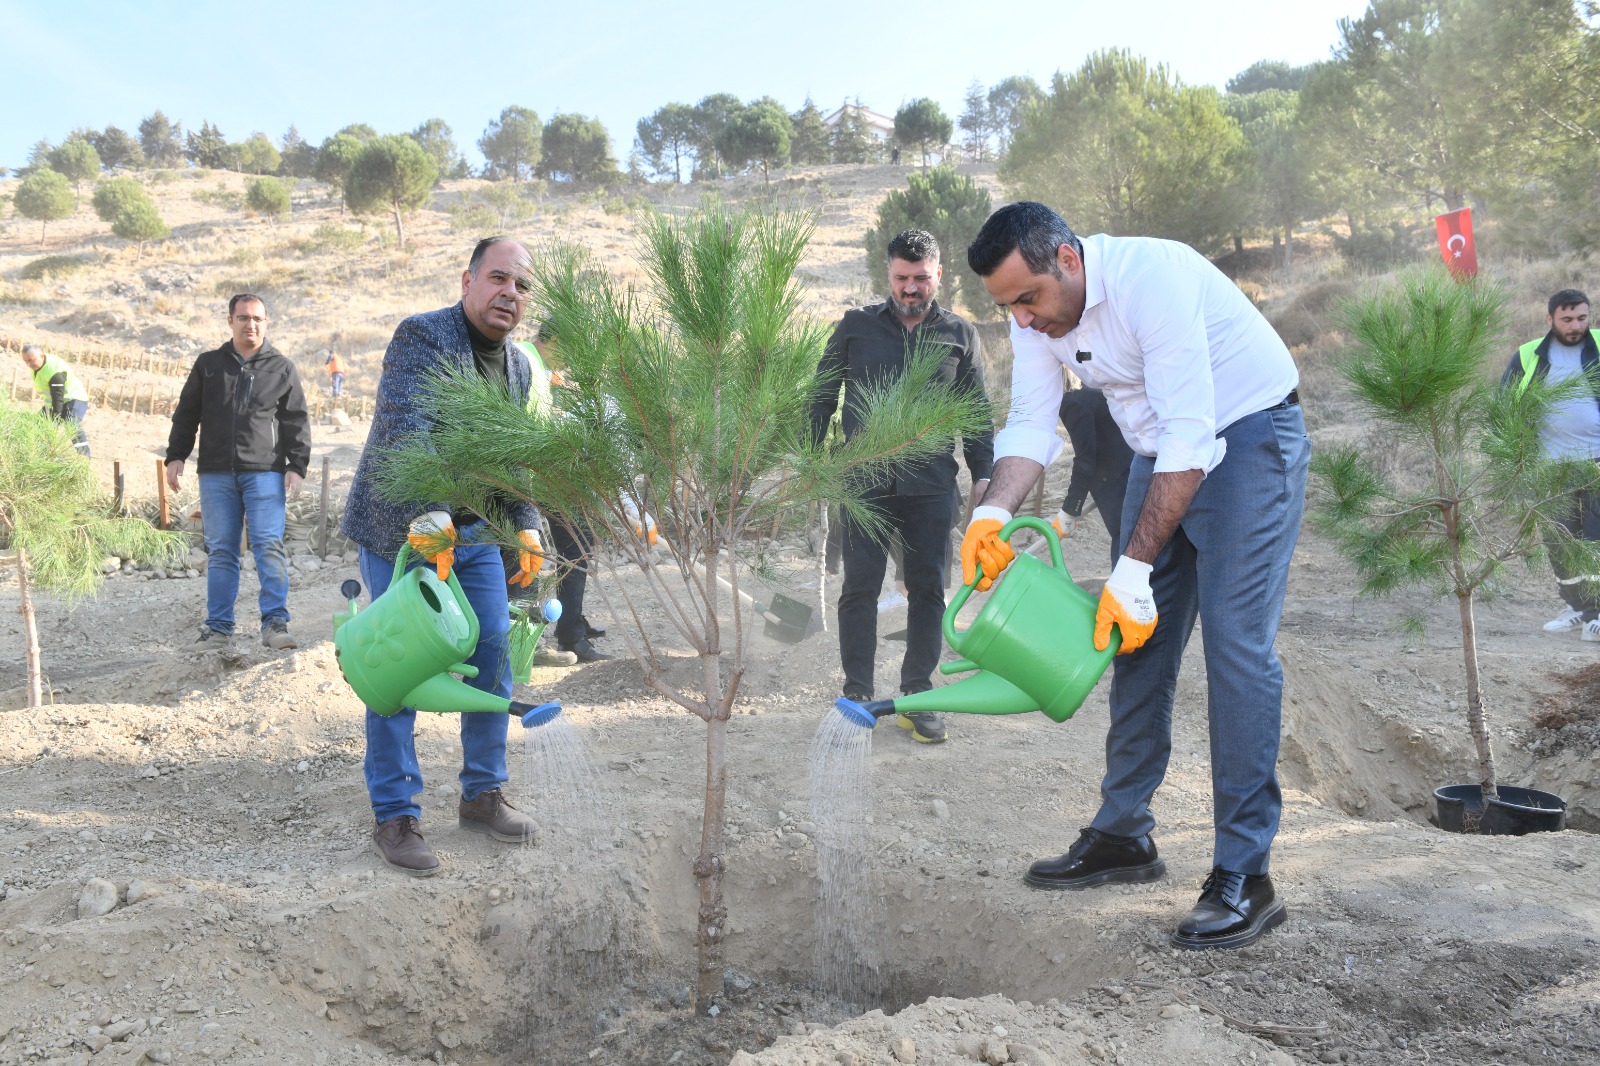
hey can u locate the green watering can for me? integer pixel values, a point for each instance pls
(402, 650)
(1032, 646)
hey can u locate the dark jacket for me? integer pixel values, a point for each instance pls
(250, 414)
(422, 345)
(870, 345)
(1100, 452)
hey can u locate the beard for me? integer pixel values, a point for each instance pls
(913, 308)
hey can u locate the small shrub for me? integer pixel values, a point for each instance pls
(114, 194)
(200, 173)
(332, 238)
(53, 266)
(160, 177)
(269, 197)
(473, 218)
(221, 196)
(1382, 246)
(245, 258)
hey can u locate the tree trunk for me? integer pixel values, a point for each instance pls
(1288, 243)
(1238, 244)
(30, 630)
(708, 867)
(1475, 719)
(399, 228)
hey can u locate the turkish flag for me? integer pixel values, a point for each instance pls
(1455, 243)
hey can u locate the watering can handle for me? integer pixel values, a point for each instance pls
(455, 587)
(951, 635)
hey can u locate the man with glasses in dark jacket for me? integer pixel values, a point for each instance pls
(245, 401)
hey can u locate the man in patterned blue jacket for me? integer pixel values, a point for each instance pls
(471, 335)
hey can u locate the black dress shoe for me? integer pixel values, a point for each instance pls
(1234, 910)
(586, 652)
(1097, 859)
(592, 631)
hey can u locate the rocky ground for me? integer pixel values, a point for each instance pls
(186, 874)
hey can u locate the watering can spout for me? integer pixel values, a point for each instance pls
(442, 692)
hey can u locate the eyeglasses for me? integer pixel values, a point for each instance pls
(257, 319)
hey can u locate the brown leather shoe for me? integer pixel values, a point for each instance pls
(492, 813)
(400, 843)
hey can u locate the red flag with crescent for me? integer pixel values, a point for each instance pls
(1455, 242)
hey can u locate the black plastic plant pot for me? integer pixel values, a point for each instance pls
(1517, 810)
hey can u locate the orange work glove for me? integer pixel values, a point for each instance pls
(529, 559)
(1126, 602)
(982, 546)
(433, 536)
(1064, 523)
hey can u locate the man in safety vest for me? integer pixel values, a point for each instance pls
(60, 389)
(1571, 430)
(335, 367)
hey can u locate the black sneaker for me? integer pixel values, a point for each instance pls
(586, 652)
(592, 631)
(926, 727)
(275, 635)
(213, 637)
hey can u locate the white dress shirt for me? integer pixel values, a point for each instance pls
(1179, 351)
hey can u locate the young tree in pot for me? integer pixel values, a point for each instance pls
(695, 395)
(1467, 486)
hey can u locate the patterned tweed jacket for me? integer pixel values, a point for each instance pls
(422, 344)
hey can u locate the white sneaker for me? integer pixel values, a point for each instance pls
(1571, 618)
(1591, 629)
(897, 599)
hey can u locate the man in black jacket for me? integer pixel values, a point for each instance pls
(245, 401)
(870, 345)
(1100, 461)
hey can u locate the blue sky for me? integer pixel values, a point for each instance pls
(248, 67)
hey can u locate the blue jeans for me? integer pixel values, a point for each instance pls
(1228, 564)
(226, 501)
(393, 776)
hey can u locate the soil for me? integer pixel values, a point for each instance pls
(218, 795)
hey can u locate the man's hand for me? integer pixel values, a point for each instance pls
(433, 536)
(982, 546)
(1064, 523)
(174, 472)
(291, 484)
(643, 523)
(1127, 602)
(529, 559)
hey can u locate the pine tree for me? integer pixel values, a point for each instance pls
(45, 197)
(141, 222)
(808, 144)
(1463, 485)
(207, 148)
(53, 517)
(77, 161)
(922, 124)
(977, 122)
(391, 172)
(696, 394)
(161, 140)
(512, 144)
(299, 159)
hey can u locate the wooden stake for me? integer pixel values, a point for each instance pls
(161, 493)
(30, 634)
(117, 485)
(322, 517)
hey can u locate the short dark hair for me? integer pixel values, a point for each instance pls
(913, 245)
(1566, 298)
(1030, 227)
(244, 297)
(481, 249)
(546, 332)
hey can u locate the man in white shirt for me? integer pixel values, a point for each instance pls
(1571, 430)
(1204, 392)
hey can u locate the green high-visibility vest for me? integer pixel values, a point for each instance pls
(1529, 355)
(53, 366)
(540, 400)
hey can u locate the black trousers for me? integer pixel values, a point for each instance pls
(922, 524)
(1108, 496)
(572, 543)
(1579, 591)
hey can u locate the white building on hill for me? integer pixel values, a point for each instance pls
(879, 127)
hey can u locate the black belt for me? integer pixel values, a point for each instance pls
(1291, 400)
